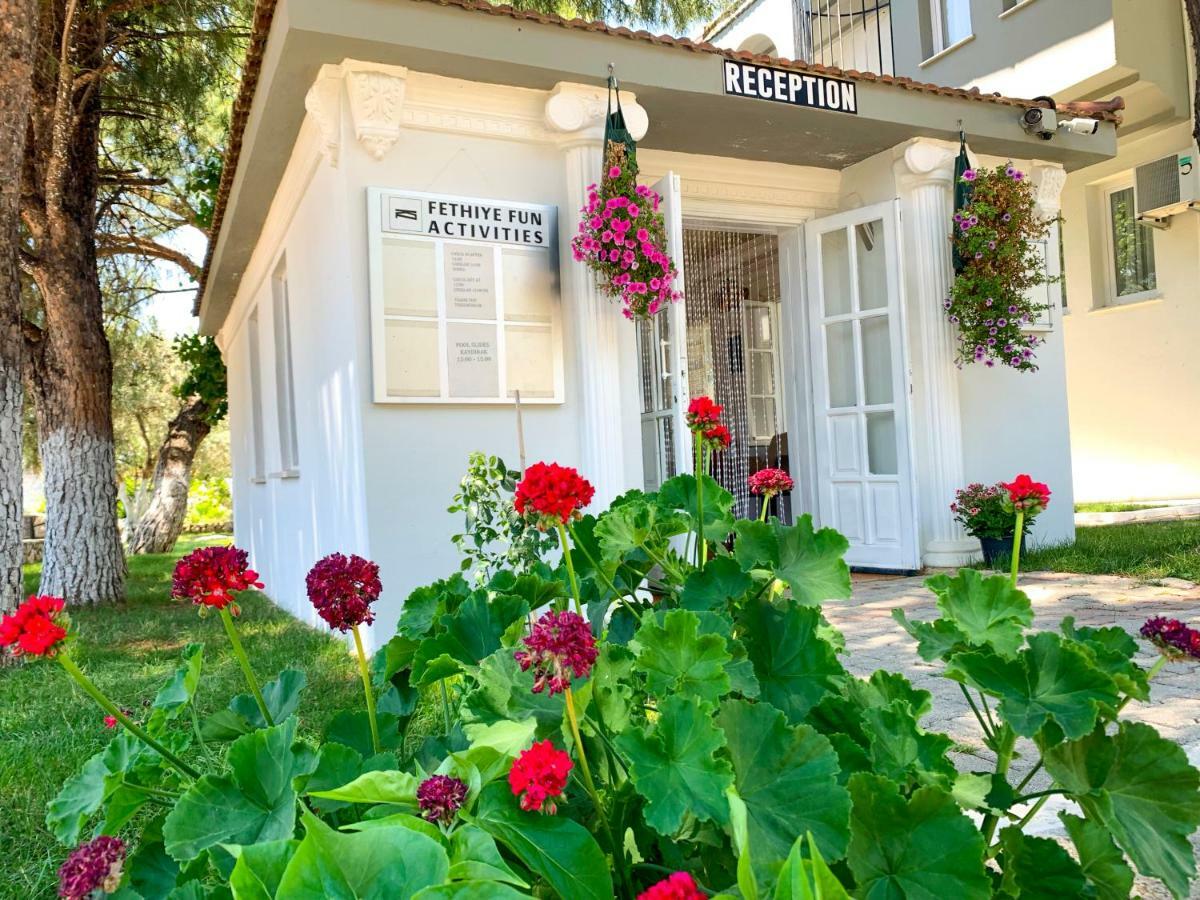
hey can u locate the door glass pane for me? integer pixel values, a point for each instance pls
(763, 426)
(645, 332)
(835, 272)
(881, 444)
(840, 342)
(872, 265)
(877, 359)
(762, 373)
(762, 335)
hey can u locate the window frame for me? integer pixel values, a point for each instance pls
(1111, 296)
(258, 475)
(940, 40)
(285, 404)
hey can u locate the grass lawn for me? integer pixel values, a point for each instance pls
(1109, 506)
(1147, 550)
(48, 728)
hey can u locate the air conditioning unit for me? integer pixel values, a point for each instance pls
(1167, 186)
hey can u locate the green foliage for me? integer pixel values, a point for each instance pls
(210, 503)
(717, 733)
(205, 374)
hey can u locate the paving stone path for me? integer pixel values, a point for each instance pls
(874, 640)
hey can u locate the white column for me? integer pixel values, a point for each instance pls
(925, 178)
(595, 320)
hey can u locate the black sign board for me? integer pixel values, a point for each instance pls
(795, 88)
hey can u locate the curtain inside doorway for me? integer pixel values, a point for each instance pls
(731, 286)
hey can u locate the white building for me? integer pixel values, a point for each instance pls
(369, 352)
(1131, 310)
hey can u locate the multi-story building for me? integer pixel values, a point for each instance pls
(1131, 263)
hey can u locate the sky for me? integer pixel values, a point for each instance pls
(173, 312)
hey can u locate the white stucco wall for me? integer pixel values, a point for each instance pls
(287, 523)
(769, 19)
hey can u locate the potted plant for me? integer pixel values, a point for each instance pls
(980, 509)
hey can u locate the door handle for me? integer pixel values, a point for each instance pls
(664, 364)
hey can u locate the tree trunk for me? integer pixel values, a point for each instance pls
(70, 362)
(160, 525)
(18, 26)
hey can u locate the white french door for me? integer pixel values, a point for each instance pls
(662, 363)
(864, 468)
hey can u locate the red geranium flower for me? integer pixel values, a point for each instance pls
(703, 413)
(441, 797)
(770, 482)
(36, 628)
(538, 775)
(342, 588)
(560, 641)
(91, 866)
(1172, 637)
(210, 575)
(110, 721)
(1027, 495)
(553, 493)
(717, 438)
(679, 886)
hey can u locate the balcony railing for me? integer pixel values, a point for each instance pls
(848, 34)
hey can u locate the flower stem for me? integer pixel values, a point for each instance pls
(975, 709)
(1016, 550)
(445, 704)
(573, 720)
(762, 513)
(113, 710)
(1154, 670)
(702, 545)
(1006, 741)
(365, 673)
(244, 661)
(566, 552)
(608, 582)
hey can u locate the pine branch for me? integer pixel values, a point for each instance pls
(132, 245)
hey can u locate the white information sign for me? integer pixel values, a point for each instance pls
(464, 299)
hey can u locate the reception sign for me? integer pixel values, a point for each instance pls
(464, 300)
(743, 79)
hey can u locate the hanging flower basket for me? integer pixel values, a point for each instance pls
(622, 237)
(996, 233)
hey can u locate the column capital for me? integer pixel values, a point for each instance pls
(1048, 180)
(576, 111)
(925, 161)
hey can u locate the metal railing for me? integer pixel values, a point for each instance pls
(847, 34)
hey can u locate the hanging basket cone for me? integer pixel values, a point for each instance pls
(622, 236)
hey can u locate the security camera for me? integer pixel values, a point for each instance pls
(1037, 120)
(1080, 126)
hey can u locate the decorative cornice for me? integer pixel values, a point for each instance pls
(324, 103)
(576, 112)
(1049, 180)
(376, 95)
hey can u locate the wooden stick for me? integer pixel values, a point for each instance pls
(520, 433)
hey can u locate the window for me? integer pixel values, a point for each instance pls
(1131, 249)
(289, 456)
(949, 23)
(259, 474)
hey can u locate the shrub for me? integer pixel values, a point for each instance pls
(694, 733)
(209, 503)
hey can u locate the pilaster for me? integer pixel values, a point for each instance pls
(925, 178)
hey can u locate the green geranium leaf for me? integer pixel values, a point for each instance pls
(557, 849)
(922, 848)
(353, 729)
(676, 659)
(739, 669)
(719, 585)
(254, 802)
(469, 890)
(504, 693)
(636, 522)
(787, 778)
(988, 610)
(935, 640)
(282, 696)
(675, 767)
(1050, 680)
(1112, 649)
(394, 656)
(612, 686)
(377, 864)
(179, 689)
(468, 635)
(475, 857)
(152, 872)
(794, 666)
(1102, 861)
(259, 868)
(1038, 868)
(679, 493)
(807, 561)
(397, 820)
(807, 878)
(337, 765)
(96, 784)
(1140, 787)
(900, 750)
(427, 604)
(394, 787)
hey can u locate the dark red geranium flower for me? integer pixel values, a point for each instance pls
(538, 775)
(679, 886)
(440, 798)
(559, 642)
(36, 627)
(717, 438)
(1026, 494)
(703, 414)
(210, 575)
(95, 865)
(1172, 637)
(342, 588)
(770, 482)
(552, 493)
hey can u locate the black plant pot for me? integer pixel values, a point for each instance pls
(997, 549)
